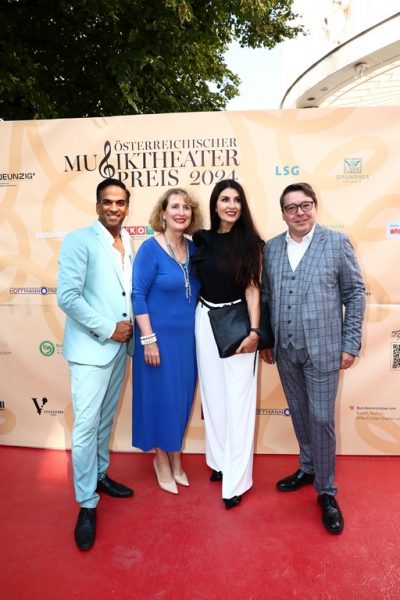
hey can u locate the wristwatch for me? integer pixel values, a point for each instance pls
(256, 330)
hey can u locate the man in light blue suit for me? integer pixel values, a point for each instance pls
(316, 297)
(94, 290)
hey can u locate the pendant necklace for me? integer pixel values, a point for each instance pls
(184, 266)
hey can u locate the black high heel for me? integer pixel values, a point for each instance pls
(216, 476)
(232, 502)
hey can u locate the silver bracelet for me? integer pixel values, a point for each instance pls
(148, 339)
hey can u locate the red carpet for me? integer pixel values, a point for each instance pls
(159, 546)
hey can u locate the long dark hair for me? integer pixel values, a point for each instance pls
(243, 252)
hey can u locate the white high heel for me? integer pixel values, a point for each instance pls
(181, 479)
(167, 486)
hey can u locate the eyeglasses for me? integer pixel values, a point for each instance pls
(109, 203)
(305, 206)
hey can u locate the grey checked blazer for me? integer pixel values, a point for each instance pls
(332, 280)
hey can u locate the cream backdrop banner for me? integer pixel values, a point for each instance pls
(48, 174)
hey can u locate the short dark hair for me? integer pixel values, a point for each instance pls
(299, 187)
(110, 181)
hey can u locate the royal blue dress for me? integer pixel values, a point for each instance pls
(163, 395)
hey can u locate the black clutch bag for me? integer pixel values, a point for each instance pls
(230, 325)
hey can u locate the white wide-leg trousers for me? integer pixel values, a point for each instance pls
(228, 388)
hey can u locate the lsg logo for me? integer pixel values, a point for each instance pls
(285, 170)
(39, 404)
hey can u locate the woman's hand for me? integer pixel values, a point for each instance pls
(249, 343)
(152, 355)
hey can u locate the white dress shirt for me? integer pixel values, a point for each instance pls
(296, 250)
(125, 261)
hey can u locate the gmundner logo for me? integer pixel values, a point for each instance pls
(47, 348)
(352, 171)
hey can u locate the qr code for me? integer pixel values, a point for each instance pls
(395, 358)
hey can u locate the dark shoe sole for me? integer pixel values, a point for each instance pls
(113, 494)
(295, 487)
(216, 476)
(340, 519)
(333, 531)
(85, 529)
(85, 547)
(232, 502)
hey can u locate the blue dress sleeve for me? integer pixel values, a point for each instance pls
(144, 271)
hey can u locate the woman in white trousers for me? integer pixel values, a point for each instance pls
(227, 262)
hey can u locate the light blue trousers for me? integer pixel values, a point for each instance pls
(95, 394)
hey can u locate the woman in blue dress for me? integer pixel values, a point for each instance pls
(164, 364)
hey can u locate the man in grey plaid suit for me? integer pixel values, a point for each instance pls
(309, 275)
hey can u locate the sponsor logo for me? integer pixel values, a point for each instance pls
(280, 412)
(352, 171)
(41, 403)
(393, 230)
(47, 348)
(2, 405)
(159, 163)
(335, 226)
(12, 179)
(139, 231)
(375, 413)
(50, 235)
(285, 170)
(40, 290)
(352, 165)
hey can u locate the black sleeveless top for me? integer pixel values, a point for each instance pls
(216, 276)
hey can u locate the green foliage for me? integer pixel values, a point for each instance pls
(82, 58)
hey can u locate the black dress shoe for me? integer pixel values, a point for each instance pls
(332, 517)
(113, 488)
(216, 476)
(85, 530)
(232, 502)
(295, 481)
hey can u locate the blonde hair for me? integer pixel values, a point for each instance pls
(156, 215)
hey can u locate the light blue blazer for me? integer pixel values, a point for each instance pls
(333, 295)
(90, 290)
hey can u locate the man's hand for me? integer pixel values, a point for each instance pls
(347, 360)
(123, 332)
(266, 355)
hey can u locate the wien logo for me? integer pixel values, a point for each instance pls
(39, 405)
(47, 348)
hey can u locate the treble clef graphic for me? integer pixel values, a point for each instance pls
(106, 169)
